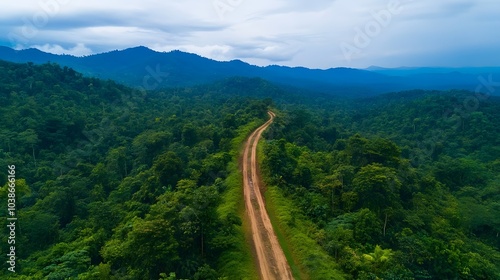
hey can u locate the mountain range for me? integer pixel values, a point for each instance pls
(143, 67)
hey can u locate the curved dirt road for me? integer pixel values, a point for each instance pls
(270, 257)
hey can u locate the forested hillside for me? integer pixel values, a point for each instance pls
(117, 183)
(143, 67)
(402, 186)
(114, 183)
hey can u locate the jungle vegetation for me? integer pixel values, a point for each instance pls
(119, 183)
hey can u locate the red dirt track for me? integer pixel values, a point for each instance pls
(270, 257)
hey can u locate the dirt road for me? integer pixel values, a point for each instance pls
(270, 257)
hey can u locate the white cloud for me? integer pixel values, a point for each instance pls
(293, 32)
(217, 52)
(78, 50)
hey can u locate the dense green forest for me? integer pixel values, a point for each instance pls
(402, 186)
(117, 183)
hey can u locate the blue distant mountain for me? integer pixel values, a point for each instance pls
(143, 67)
(408, 71)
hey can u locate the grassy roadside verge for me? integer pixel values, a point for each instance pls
(306, 258)
(237, 262)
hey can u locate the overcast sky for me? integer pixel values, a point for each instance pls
(314, 33)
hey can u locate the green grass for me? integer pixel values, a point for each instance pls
(298, 274)
(306, 257)
(237, 263)
(313, 261)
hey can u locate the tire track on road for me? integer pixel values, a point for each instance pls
(270, 257)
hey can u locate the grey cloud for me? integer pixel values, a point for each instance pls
(304, 6)
(292, 32)
(438, 10)
(454, 8)
(272, 51)
(105, 18)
